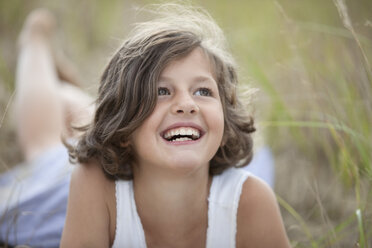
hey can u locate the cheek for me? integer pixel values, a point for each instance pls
(138, 139)
(221, 126)
(144, 134)
(217, 122)
(141, 143)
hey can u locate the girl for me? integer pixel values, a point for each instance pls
(157, 162)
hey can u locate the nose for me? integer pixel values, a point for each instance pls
(185, 104)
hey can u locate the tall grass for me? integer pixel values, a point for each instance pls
(329, 122)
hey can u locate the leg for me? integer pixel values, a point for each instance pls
(39, 111)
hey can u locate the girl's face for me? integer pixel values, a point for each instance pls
(186, 127)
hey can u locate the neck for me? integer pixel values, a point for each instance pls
(173, 207)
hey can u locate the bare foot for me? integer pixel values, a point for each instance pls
(41, 26)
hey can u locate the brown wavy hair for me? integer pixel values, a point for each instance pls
(128, 91)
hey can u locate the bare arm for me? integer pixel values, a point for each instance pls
(88, 218)
(259, 223)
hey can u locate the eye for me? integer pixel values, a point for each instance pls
(163, 91)
(203, 92)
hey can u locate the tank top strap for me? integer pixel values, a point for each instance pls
(223, 207)
(129, 231)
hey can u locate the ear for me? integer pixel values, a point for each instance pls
(125, 144)
(223, 141)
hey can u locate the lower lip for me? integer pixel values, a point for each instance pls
(180, 143)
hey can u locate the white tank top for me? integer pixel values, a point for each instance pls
(222, 211)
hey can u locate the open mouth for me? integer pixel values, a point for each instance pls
(182, 134)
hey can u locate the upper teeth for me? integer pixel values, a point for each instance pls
(182, 131)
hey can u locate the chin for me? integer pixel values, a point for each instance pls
(188, 165)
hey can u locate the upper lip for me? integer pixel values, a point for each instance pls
(184, 124)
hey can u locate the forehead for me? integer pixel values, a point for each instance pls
(194, 64)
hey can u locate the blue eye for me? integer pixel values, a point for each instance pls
(203, 92)
(163, 91)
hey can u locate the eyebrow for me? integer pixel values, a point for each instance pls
(198, 79)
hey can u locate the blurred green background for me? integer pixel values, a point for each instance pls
(310, 60)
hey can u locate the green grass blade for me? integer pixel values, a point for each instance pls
(362, 239)
(297, 216)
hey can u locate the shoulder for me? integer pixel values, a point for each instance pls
(87, 174)
(259, 222)
(89, 181)
(90, 208)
